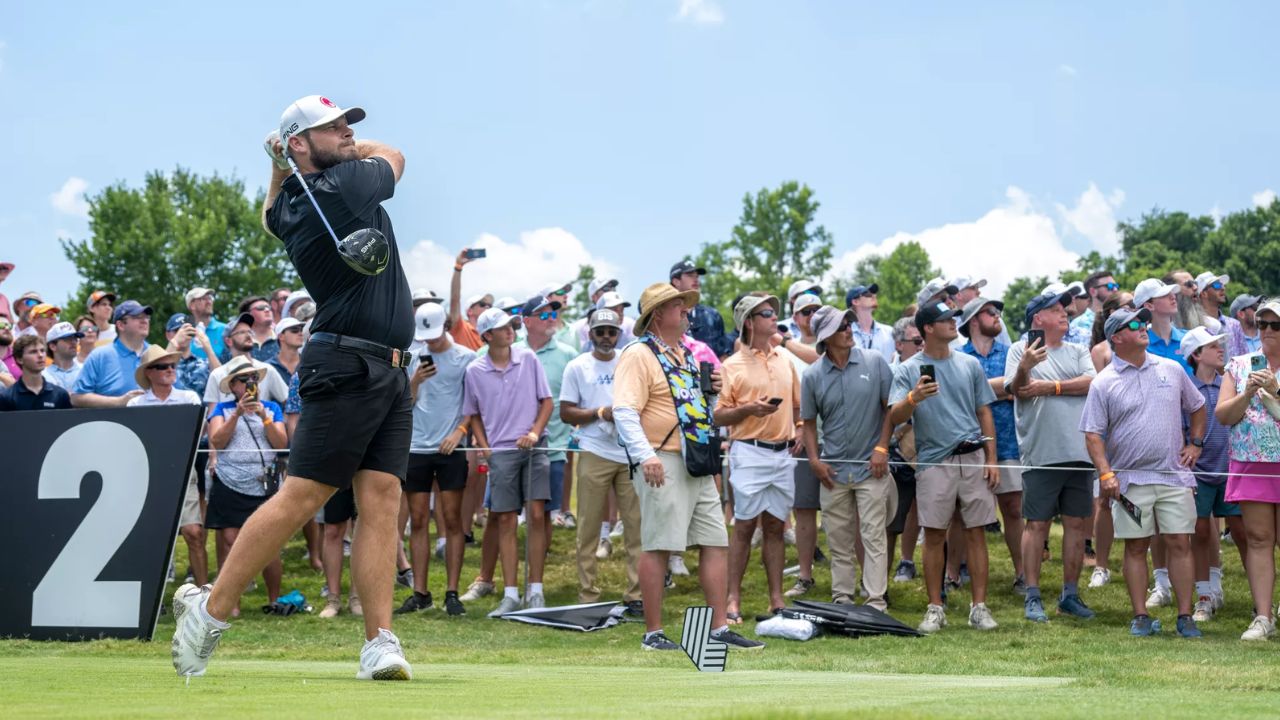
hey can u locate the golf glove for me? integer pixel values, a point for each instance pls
(269, 145)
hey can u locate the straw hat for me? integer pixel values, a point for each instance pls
(654, 296)
(240, 367)
(153, 355)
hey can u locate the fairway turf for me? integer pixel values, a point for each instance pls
(474, 667)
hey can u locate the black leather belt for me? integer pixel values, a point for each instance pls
(774, 446)
(395, 356)
(967, 447)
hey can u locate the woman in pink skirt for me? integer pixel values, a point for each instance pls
(1248, 404)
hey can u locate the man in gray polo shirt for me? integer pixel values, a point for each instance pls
(956, 453)
(848, 389)
(1132, 420)
(1048, 382)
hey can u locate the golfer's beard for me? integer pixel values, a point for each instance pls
(324, 160)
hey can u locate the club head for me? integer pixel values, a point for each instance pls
(366, 251)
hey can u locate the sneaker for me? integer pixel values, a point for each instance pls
(964, 574)
(616, 532)
(818, 555)
(414, 603)
(1033, 610)
(669, 581)
(1204, 609)
(935, 618)
(1072, 605)
(1260, 629)
(324, 591)
(675, 563)
(1020, 586)
(405, 577)
(950, 584)
(633, 608)
(508, 604)
(800, 589)
(533, 601)
(477, 590)
(1090, 555)
(1159, 597)
(568, 519)
(733, 639)
(1144, 626)
(1101, 576)
(382, 659)
(657, 641)
(332, 606)
(604, 549)
(1219, 600)
(789, 536)
(862, 591)
(453, 605)
(980, 618)
(906, 571)
(557, 519)
(1187, 627)
(195, 634)
(440, 546)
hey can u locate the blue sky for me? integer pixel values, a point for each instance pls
(1005, 137)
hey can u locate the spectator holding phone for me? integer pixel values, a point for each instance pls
(946, 396)
(1132, 422)
(1247, 404)
(463, 329)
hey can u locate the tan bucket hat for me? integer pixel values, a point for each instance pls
(654, 297)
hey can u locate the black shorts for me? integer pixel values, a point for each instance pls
(341, 507)
(1063, 489)
(228, 508)
(356, 415)
(904, 478)
(445, 472)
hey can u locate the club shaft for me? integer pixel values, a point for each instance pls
(298, 174)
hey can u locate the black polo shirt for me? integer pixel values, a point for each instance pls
(377, 308)
(20, 397)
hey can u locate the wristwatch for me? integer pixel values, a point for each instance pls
(1198, 442)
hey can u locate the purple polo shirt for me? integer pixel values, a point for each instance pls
(1138, 412)
(506, 400)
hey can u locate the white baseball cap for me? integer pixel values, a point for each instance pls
(1196, 339)
(611, 300)
(1149, 290)
(804, 300)
(803, 286)
(62, 330)
(423, 295)
(428, 322)
(294, 298)
(313, 111)
(1205, 279)
(491, 319)
(286, 323)
(482, 297)
(964, 281)
(601, 284)
(196, 293)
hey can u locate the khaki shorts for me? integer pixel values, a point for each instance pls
(957, 480)
(191, 504)
(682, 513)
(1174, 508)
(1010, 477)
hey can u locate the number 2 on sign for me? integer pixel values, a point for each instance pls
(70, 595)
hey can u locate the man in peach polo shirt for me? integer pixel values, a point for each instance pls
(761, 406)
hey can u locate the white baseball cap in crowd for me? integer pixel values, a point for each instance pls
(197, 293)
(287, 322)
(62, 330)
(481, 298)
(1205, 279)
(611, 300)
(803, 286)
(428, 321)
(423, 295)
(804, 300)
(491, 319)
(964, 281)
(313, 111)
(933, 288)
(601, 284)
(1150, 289)
(1196, 339)
(294, 298)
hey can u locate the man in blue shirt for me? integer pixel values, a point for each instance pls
(200, 307)
(980, 322)
(107, 379)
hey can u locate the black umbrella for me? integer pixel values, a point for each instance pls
(585, 617)
(851, 620)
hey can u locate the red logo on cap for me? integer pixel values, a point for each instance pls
(327, 102)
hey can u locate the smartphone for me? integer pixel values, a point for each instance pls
(427, 359)
(251, 389)
(704, 377)
(1133, 511)
(476, 253)
(775, 401)
(926, 370)
(1034, 335)
(1258, 363)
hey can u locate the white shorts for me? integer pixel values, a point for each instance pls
(1173, 508)
(763, 481)
(1010, 477)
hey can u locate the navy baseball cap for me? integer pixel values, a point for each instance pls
(686, 266)
(930, 314)
(176, 321)
(858, 291)
(1119, 319)
(537, 304)
(129, 308)
(1047, 299)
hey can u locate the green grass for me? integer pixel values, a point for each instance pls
(475, 667)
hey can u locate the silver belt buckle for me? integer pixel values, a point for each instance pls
(395, 357)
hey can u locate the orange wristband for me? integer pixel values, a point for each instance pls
(911, 397)
(881, 450)
(1057, 387)
(1106, 476)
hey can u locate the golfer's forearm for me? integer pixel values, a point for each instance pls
(373, 148)
(455, 295)
(273, 191)
(988, 425)
(1020, 379)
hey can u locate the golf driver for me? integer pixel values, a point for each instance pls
(366, 250)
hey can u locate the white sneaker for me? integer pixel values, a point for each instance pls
(332, 606)
(382, 659)
(195, 634)
(1219, 600)
(1100, 577)
(789, 536)
(675, 563)
(616, 532)
(1260, 629)
(935, 618)
(1204, 609)
(980, 618)
(508, 604)
(477, 590)
(533, 601)
(604, 549)
(1159, 597)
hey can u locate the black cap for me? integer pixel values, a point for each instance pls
(858, 291)
(686, 266)
(936, 312)
(244, 319)
(536, 304)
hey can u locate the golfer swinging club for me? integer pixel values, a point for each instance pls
(357, 415)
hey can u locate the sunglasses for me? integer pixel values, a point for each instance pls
(88, 329)
(913, 341)
(562, 291)
(1216, 285)
(808, 312)
(605, 332)
(514, 311)
(5, 325)
(1268, 325)
(260, 308)
(991, 311)
(844, 327)
(1112, 286)
(548, 315)
(483, 304)
(294, 329)
(1189, 283)
(1140, 325)
(162, 366)
(30, 303)
(765, 314)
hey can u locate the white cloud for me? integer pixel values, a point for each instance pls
(700, 12)
(1067, 71)
(1216, 213)
(1264, 198)
(69, 200)
(1012, 240)
(542, 257)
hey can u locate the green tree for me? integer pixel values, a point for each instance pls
(776, 242)
(1246, 246)
(580, 301)
(1015, 299)
(176, 232)
(900, 275)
